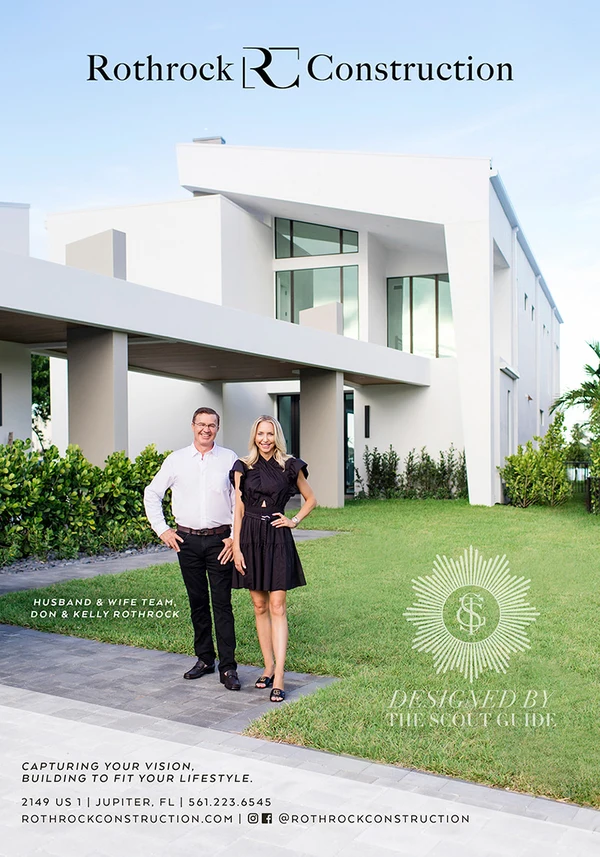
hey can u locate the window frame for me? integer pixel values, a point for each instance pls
(340, 230)
(410, 277)
(339, 268)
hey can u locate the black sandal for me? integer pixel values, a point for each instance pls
(263, 682)
(277, 695)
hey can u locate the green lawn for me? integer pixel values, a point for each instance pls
(349, 622)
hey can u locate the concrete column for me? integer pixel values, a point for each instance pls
(104, 253)
(97, 391)
(468, 247)
(15, 392)
(59, 397)
(322, 433)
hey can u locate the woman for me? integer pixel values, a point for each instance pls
(264, 552)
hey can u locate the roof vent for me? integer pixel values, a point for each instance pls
(219, 141)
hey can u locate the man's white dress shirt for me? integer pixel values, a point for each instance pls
(202, 494)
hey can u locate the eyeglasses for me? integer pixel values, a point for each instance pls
(209, 426)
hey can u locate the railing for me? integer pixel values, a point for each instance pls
(578, 473)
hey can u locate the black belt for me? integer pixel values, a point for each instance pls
(214, 531)
(265, 513)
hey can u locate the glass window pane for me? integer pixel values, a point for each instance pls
(303, 292)
(423, 316)
(326, 286)
(313, 240)
(349, 241)
(284, 415)
(299, 290)
(283, 247)
(350, 300)
(284, 295)
(447, 346)
(398, 308)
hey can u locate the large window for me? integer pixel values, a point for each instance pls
(295, 238)
(288, 414)
(298, 290)
(420, 315)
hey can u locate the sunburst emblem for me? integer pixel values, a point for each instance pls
(471, 614)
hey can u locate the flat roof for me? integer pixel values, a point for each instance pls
(511, 215)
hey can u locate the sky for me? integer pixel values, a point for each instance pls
(69, 143)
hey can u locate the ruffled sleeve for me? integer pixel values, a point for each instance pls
(238, 467)
(294, 466)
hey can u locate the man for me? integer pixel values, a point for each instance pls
(203, 503)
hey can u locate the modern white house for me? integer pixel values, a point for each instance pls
(364, 299)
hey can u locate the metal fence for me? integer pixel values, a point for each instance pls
(578, 473)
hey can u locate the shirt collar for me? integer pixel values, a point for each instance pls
(214, 451)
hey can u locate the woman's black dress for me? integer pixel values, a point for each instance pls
(271, 558)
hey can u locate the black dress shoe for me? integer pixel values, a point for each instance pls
(230, 680)
(199, 668)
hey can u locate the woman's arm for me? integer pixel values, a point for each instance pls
(310, 501)
(309, 504)
(238, 514)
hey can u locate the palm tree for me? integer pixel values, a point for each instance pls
(588, 393)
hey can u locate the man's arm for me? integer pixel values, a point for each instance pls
(153, 497)
(227, 552)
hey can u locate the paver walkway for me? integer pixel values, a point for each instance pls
(136, 680)
(304, 802)
(65, 699)
(16, 582)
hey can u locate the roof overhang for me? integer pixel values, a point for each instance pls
(511, 216)
(179, 336)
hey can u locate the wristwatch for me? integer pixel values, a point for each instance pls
(295, 520)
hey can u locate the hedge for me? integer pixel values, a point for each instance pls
(420, 477)
(54, 506)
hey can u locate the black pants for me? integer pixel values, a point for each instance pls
(198, 559)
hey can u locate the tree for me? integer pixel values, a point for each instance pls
(40, 394)
(588, 393)
(595, 461)
(579, 448)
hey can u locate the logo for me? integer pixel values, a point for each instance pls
(471, 614)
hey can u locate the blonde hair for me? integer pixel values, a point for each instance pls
(280, 453)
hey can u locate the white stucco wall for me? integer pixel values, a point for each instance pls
(246, 261)
(527, 388)
(435, 189)
(15, 369)
(172, 246)
(408, 418)
(413, 262)
(160, 410)
(242, 404)
(375, 295)
(204, 247)
(14, 227)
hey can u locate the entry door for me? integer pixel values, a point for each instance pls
(506, 417)
(349, 441)
(288, 414)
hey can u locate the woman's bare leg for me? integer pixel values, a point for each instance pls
(264, 629)
(279, 629)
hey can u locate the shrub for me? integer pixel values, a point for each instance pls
(382, 473)
(422, 476)
(595, 461)
(61, 506)
(520, 476)
(539, 476)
